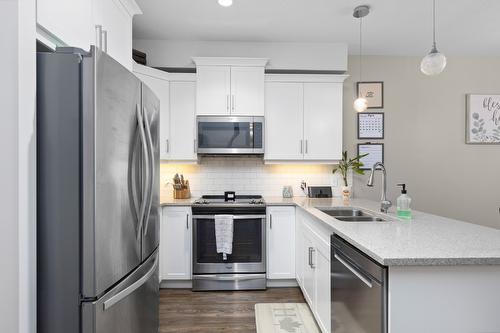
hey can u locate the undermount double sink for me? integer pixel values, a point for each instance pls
(348, 214)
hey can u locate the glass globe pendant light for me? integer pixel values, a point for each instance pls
(435, 62)
(361, 104)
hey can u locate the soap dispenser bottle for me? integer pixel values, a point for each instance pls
(403, 204)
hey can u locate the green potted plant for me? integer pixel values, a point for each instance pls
(344, 166)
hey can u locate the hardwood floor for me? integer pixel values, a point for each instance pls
(183, 311)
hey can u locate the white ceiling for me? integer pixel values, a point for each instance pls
(394, 27)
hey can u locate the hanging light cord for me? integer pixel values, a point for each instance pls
(433, 24)
(360, 50)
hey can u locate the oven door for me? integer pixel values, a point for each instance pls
(230, 135)
(249, 244)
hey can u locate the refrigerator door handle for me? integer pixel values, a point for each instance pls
(149, 199)
(146, 163)
(130, 289)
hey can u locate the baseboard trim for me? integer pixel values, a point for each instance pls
(188, 284)
(282, 283)
(176, 284)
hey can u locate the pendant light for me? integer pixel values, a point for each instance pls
(361, 104)
(435, 62)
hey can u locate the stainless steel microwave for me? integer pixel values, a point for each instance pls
(226, 135)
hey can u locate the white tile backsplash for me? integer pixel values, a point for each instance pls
(247, 175)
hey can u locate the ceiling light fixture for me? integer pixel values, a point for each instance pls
(435, 62)
(225, 3)
(361, 104)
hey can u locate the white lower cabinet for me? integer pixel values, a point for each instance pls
(175, 243)
(313, 269)
(280, 242)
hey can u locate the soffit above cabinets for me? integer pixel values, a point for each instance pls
(230, 61)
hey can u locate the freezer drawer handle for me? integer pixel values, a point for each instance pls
(354, 271)
(130, 289)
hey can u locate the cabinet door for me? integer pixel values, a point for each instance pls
(161, 87)
(284, 121)
(213, 88)
(281, 243)
(118, 24)
(247, 91)
(309, 280)
(299, 250)
(68, 20)
(323, 121)
(323, 292)
(176, 239)
(182, 121)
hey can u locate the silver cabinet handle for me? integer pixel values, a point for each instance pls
(98, 36)
(187, 221)
(310, 256)
(227, 103)
(232, 102)
(353, 271)
(307, 146)
(168, 146)
(270, 221)
(311, 251)
(130, 289)
(105, 35)
(302, 146)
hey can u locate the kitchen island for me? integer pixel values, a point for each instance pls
(443, 274)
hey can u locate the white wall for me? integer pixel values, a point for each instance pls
(17, 170)
(9, 237)
(425, 136)
(246, 175)
(301, 56)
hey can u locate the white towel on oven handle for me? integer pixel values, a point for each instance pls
(224, 234)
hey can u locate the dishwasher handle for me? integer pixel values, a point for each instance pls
(354, 271)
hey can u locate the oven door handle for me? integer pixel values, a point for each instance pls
(235, 217)
(233, 277)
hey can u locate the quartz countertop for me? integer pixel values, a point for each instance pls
(426, 240)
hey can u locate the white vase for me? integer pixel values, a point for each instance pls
(346, 193)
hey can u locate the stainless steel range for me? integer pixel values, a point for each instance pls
(245, 268)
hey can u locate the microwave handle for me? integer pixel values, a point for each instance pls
(252, 134)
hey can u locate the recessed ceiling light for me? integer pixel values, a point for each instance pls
(225, 3)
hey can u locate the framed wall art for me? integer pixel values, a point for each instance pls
(373, 92)
(483, 119)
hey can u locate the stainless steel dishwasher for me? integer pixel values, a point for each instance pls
(359, 291)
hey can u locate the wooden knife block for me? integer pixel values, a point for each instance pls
(184, 193)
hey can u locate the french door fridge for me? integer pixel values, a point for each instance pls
(97, 196)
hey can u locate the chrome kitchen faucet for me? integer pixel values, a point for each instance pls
(384, 204)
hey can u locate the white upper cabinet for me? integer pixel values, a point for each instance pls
(230, 86)
(304, 118)
(177, 94)
(182, 121)
(213, 88)
(73, 23)
(158, 81)
(68, 21)
(323, 121)
(247, 91)
(281, 242)
(284, 121)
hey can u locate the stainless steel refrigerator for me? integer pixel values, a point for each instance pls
(97, 196)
